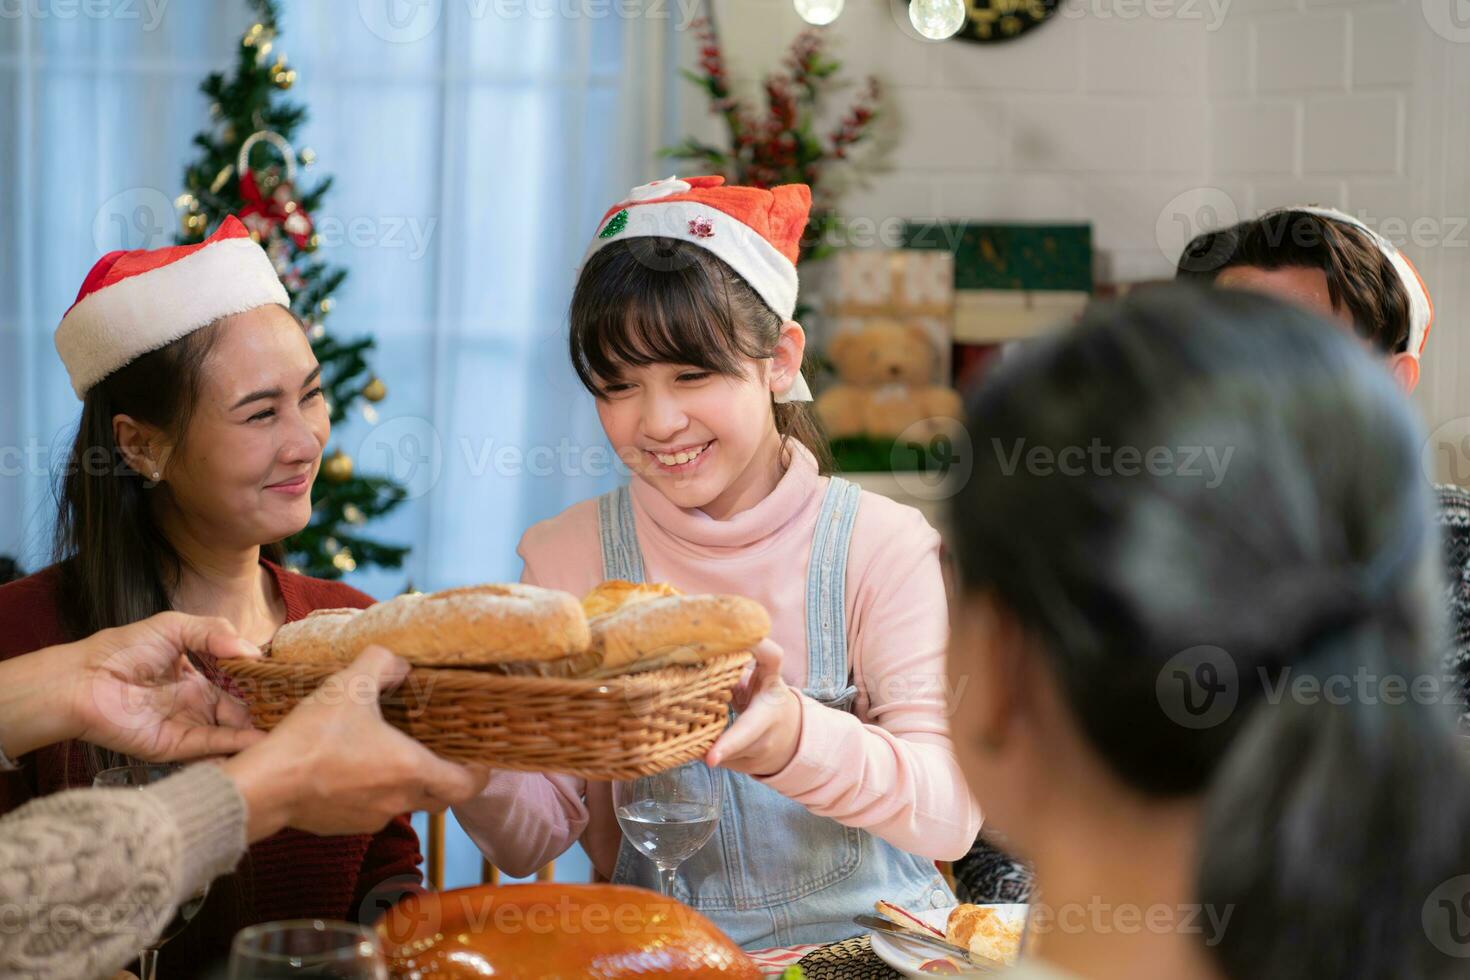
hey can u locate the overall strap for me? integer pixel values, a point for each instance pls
(621, 558)
(826, 588)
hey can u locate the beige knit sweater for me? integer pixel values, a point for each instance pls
(90, 876)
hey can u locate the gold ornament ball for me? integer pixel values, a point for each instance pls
(307, 156)
(325, 305)
(194, 223)
(344, 561)
(337, 467)
(314, 242)
(375, 390)
(283, 78)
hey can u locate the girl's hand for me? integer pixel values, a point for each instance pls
(134, 691)
(763, 739)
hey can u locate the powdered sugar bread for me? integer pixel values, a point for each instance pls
(312, 640)
(478, 626)
(678, 629)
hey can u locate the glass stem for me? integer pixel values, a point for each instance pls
(148, 964)
(666, 879)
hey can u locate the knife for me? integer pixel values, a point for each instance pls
(883, 925)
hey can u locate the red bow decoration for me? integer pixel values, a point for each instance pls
(261, 214)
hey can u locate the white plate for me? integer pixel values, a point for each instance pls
(906, 958)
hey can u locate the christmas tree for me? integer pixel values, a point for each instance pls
(248, 167)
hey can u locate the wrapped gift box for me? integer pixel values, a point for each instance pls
(894, 282)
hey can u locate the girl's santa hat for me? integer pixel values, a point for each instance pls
(756, 232)
(1421, 308)
(135, 302)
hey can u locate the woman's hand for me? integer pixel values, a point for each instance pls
(334, 766)
(763, 739)
(129, 689)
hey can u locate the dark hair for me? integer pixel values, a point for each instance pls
(1360, 278)
(115, 564)
(1326, 826)
(662, 300)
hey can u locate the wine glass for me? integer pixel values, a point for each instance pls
(307, 948)
(138, 776)
(669, 815)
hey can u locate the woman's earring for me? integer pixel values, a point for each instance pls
(156, 475)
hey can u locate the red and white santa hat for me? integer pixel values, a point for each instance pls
(135, 302)
(1421, 307)
(757, 232)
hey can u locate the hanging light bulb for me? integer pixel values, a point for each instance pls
(819, 12)
(937, 19)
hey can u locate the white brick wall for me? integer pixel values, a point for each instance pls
(1103, 118)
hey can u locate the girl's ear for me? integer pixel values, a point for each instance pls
(786, 359)
(1405, 370)
(986, 672)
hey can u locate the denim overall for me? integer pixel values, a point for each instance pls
(774, 873)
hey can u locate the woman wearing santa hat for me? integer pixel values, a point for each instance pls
(201, 433)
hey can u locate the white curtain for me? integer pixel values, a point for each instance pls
(474, 144)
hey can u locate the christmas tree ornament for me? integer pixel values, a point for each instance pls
(819, 12)
(337, 467)
(193, 223)
(252, 35)
(352, 514)
(270, 201)
(344, 561)
(375, 390)
(313, 243)
(937, 19)
(617, 224)
(222, 178)
(307, 156)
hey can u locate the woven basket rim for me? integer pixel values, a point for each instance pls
(470, 679)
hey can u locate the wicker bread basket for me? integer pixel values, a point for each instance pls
(611, 728)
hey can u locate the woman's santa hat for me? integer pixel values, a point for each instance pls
(135, 302)
(1421, 308)
(756, 232)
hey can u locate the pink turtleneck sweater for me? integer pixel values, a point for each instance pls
(889, 768)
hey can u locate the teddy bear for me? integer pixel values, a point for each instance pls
(885, 386)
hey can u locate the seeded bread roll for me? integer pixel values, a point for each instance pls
(678, 629)
(312, 640)
(541, 630)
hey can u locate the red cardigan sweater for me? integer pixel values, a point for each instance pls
(292, 875)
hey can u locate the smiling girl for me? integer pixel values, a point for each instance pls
(840, 782)
(201, 434)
